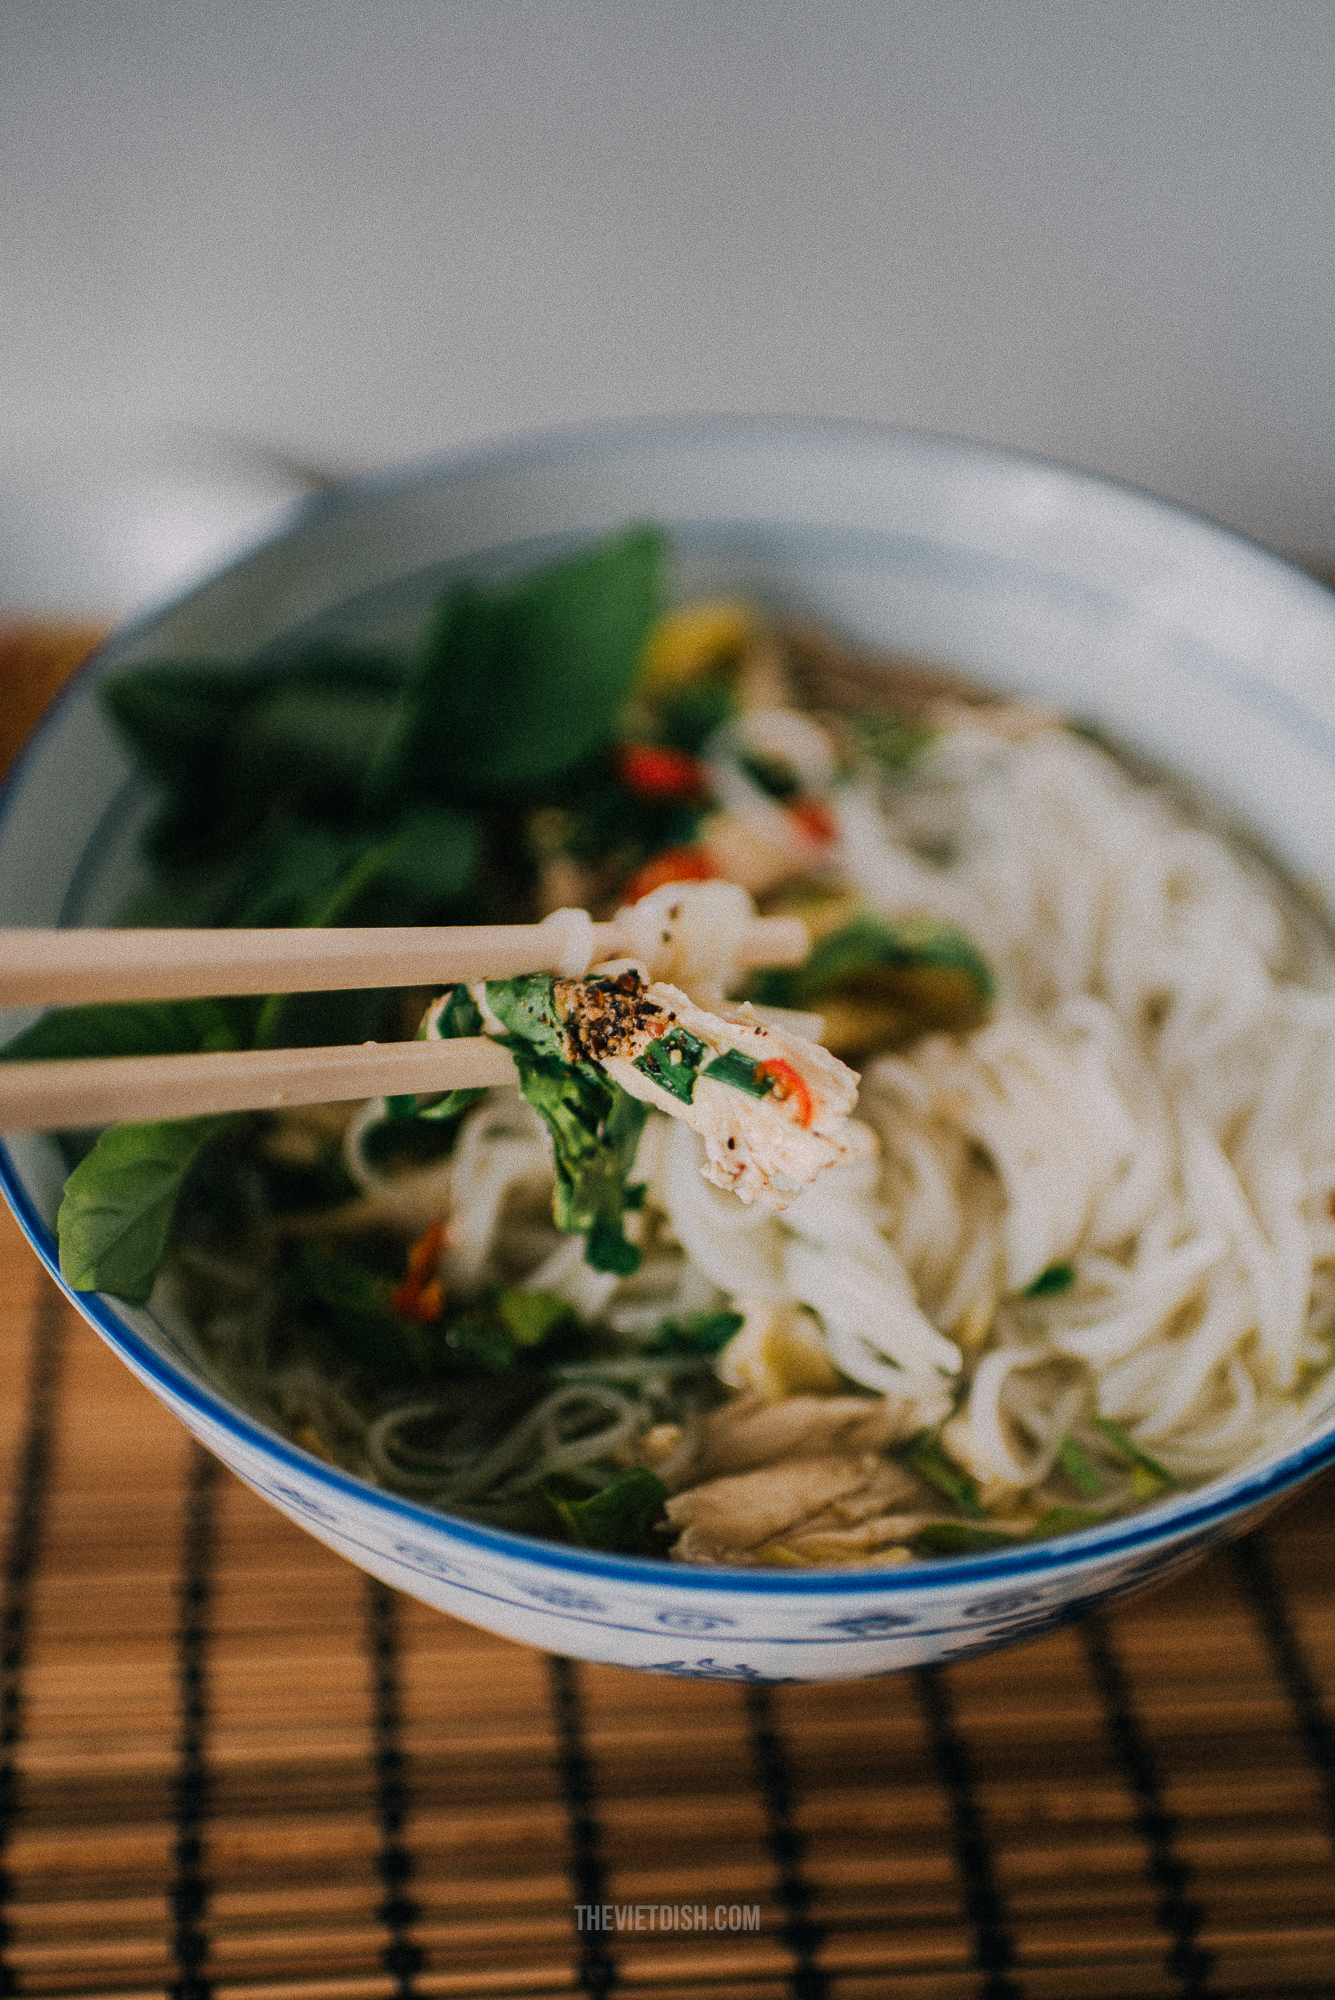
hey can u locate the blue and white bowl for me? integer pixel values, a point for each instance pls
(1186, 643)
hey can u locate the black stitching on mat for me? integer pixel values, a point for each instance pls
(774, 1777)
(1179, 1915)
(595, 1968)
(32, 1478)
(188, 1898)
(1255, 1566)
(403, 1958)
(984, 1904)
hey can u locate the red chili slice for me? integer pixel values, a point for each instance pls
(788, 1087)
(813, 818)
(420, 1296)
(673, 864)
(657, 772)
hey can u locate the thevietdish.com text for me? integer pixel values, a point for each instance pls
(667, 1916)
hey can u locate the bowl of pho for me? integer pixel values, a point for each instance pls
(793, 1313)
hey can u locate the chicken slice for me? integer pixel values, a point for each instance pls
(772, 1108)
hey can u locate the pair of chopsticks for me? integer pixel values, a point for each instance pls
(43, 968)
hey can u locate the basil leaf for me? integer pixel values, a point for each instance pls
(126, 1028)
(618, 1519)
(433, 853)
(120, 1200)
(527, 1007)
(480, 712)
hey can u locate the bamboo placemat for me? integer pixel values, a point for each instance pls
(230, 1766)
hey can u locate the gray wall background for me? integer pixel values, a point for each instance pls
(360, 232)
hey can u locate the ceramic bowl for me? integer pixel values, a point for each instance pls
(1185, 642)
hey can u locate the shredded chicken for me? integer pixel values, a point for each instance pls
(797, 1482)
(861, 1500)
(763, 1147)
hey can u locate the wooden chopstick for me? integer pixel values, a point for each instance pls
(106, 1090)
(63, 968)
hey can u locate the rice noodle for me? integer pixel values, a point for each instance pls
(1112, 1202)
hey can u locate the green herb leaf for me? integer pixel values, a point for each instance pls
(531, 1316)
(673, 1062)
(595, 1128)
(699, 1333)
(1063, 1521)
(742, 1072)
(617, 1519)
(477, 714)
(893, 741)
(905, 977)
(119, 1202)
(1051, 1283)
(957, 1538)
(1072, 1459)
(527, 1007)
(1157, 1478)
(927, 1456)
(481, 1341)
(458, 1018)
(350, 1302)
(139, 1028)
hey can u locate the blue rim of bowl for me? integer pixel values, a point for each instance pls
(1181, 1520)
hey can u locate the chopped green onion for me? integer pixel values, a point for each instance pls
(1072, 1459)
(1155, 1477)
(673, 1062)
(742, 1072)
(927, 1456)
